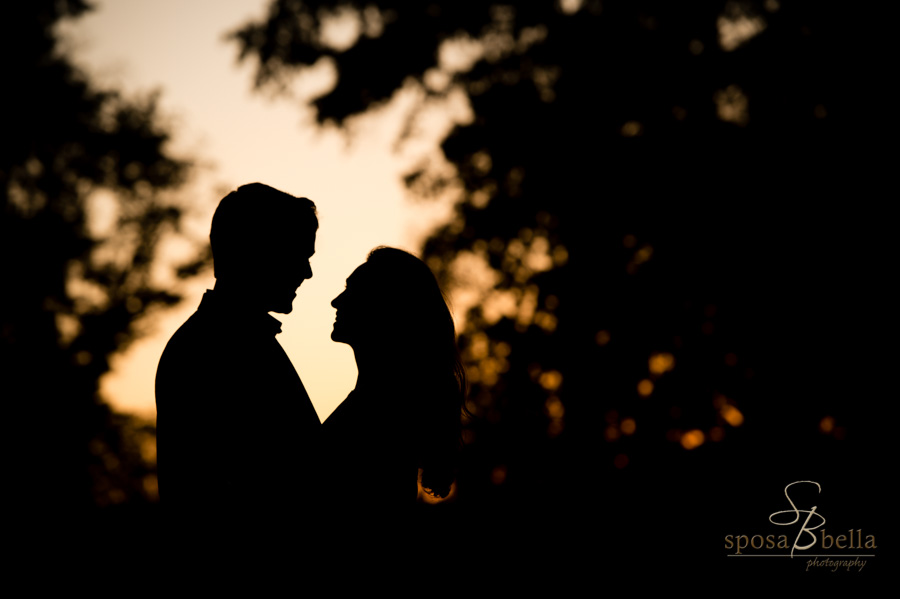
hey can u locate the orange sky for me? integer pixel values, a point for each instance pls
(239, 136)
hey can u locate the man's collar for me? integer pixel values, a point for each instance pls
(237, 312)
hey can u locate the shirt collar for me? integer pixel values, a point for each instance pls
(236, 312)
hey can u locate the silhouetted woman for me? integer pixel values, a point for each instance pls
(404, 413)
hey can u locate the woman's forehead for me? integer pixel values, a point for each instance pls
(360, 275)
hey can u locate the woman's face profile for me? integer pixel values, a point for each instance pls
(356, 308)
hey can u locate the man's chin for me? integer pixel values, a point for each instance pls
(283, 306)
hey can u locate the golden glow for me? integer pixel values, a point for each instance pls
(516, 249)
(732, 106)
(628, 426)
(554, 407)
(826, 425)
(692, 439)
(560, 255)
(640, 256)
(498, 474)
(527, 306)
(716, 433)
(736, 26)
(662, 362)
(428, 497)
(151, 487)
(497, 304)
(620, 461)
(68, 326)
(340, 28)
(629, 241)
(570, 7)
(480, 197)
(148, 448)
(732, 415)
(602, 337)
(538, 258)
(551, 380)
(133, 304)
(632, 129)
(478, 346)
(643, 254)
(489, 369)
(481, 162)
(555, 428)
(645, 388)
(555, 410)
(611, 433)
(546, 321)
(526, 234)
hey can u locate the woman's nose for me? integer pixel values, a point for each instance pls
(334, 302)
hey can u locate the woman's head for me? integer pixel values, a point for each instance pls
(395, 317)
(393, 298)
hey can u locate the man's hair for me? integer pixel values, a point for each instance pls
(256, 218)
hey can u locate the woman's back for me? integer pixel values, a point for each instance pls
(371, 462)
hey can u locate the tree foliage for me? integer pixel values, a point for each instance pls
(86, 182)
(637, 176)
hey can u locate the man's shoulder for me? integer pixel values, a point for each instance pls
(195, 364)
(212, 341)
(196, 334)
(196, 346)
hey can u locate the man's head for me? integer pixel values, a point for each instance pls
(262, 240)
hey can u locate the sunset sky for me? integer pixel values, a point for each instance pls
(237, 135)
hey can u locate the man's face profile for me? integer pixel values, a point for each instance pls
(262, 240)
(285, 271)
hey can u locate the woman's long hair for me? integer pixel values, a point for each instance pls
(434, 381)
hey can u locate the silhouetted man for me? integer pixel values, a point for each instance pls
(237, 432)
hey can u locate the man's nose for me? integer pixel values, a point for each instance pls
(334, 302)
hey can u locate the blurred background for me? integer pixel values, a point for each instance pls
(660, 224)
